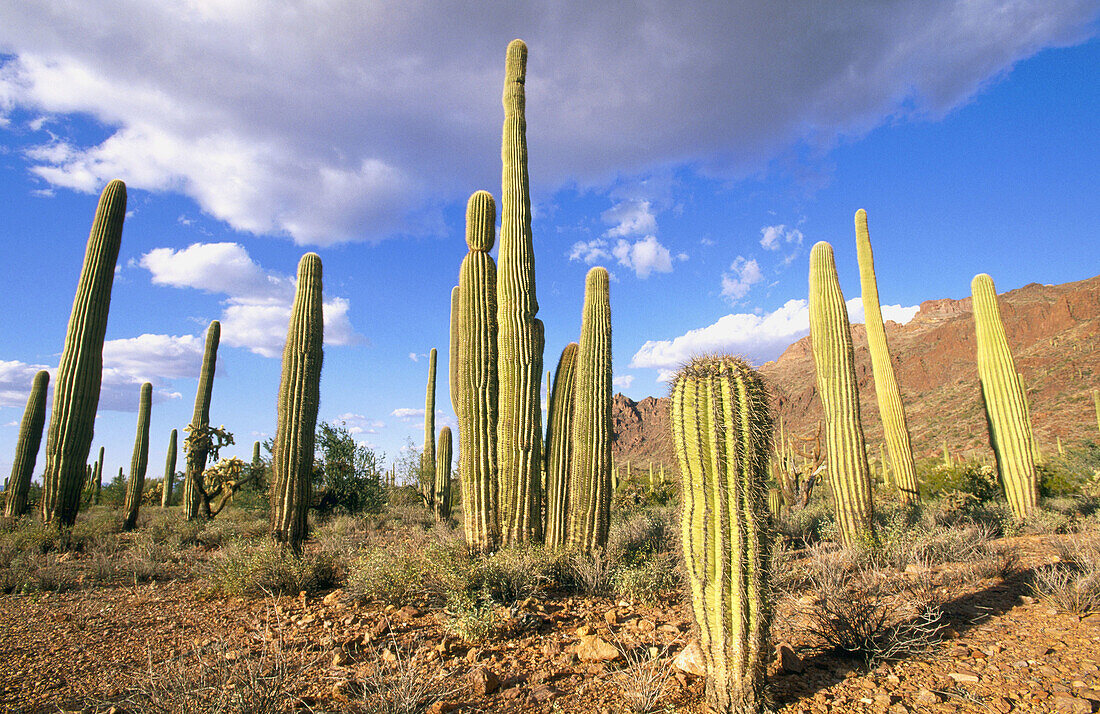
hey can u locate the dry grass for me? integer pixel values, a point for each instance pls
(1073, 583)
(399, 686)
(642, 683)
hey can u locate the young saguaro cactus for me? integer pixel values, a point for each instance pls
(169, 471)
(1009, 432)
(590, 485)
(26, 449)
(299, 399)
(196, 443)
(886, 384)
(135, 487)
(98, 477)
(721, 430)
(559, 447)
(427, 456)
(520, 336)
(834, 359)
(79, 375)
(442, 496)
(476, 376)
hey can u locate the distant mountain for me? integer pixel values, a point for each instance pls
(1054, 333)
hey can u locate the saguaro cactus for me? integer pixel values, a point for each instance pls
(886, 384)
(135, 487)
(26, 449)
(590, 485)
(452, 353)
(476, 377)
(1096, 406)
(520, 336)
(169, 471)
(1009, 430)
(721, 429)
(559, 447)
(834, 360)
(299, 399)
(427, 457)
(197, 441)
(442, 496)
(98, 477)
(78, 378)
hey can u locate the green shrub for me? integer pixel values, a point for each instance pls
(242, 569)
(648, 578)
(970, 478)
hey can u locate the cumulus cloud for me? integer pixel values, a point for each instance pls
(359, 128)
(258, 304)
(629, 218)
(774, 237)
(742, 275)
(759, 338)
(592, 251)
(359, 424)
(407, 413)
(623, 381)
(15, 381)
(643, 256)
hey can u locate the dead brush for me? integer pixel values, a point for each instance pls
(1073, 583)
(396, 685)
(643, 681)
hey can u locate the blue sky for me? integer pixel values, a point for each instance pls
(697, 156)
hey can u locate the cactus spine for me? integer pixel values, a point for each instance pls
(169, 471)
(442, 495)
(559, 447)
(140, 460)
(834, 360)
(520, 335)
(79, 375)
(26, 449)
(196, 443)
(427, 456)
(1004, 401)
(299, 399)
(886, 384)
(590, 487)
(476, 377)
(721, 429)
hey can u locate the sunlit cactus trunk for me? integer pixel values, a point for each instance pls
(1005, 409)
(442, 496)
(139, 462)
(476, 377)
(299, 400)
(590, 485)
(834, 359)
(196, 445)
(98, 477)
(520, 333)
(559, 447)
(890, 406)
(427, 456)
(721, 429)
(26, 448)
(169, 471)
(79, 374)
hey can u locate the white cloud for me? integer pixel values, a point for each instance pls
(590, 252)
(358, 128)
(15, 381)
(407, 413)
(623, 381)
(773, 237)
(742, 276)
(359, 424)
(257, 309)
(643, 256)
(630, 218)
(414, 357)
(759, 338)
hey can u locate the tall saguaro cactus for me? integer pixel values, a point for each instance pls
(26, 449)
(476, 377)
(135, 487)
(441, 498)
(299, 399)
(197, 443)
(427, 456)
(559, 447)
(721, 430)
(452, 352)
(169, 471)
(834, 359)
(1010, 432)
(79, 375)
(886, 384)
(520, 336)
(590, 480)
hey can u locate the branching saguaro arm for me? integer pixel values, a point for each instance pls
(79, 375)
(886, 384)
(559, 447)
(834, 359)
(476, 377)
(26, 449)
(590, 487)
(139, 462)
(721, 430)
(299, 399)
(520, 336)
(1009, 431)
(197, 448)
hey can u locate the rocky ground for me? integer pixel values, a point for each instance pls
(140, 647)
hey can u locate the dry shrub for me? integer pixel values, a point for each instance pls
(400, 686)
(643, 681)
(1073, 583)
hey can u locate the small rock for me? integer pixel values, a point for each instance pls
(646, 625)
(690, 660)
(963, 676)
(232, 655)
(596, 649)
(927, 696)
(1027, 600)
(611, 617)
(1074, 705)
(340, 658)
(584, 631)
(886, 700)
(483, 681)
(789, 661)
(333, 597)
(473, 654)
(542, 694)
(388, 656)
(380, 628)
(409, 612)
